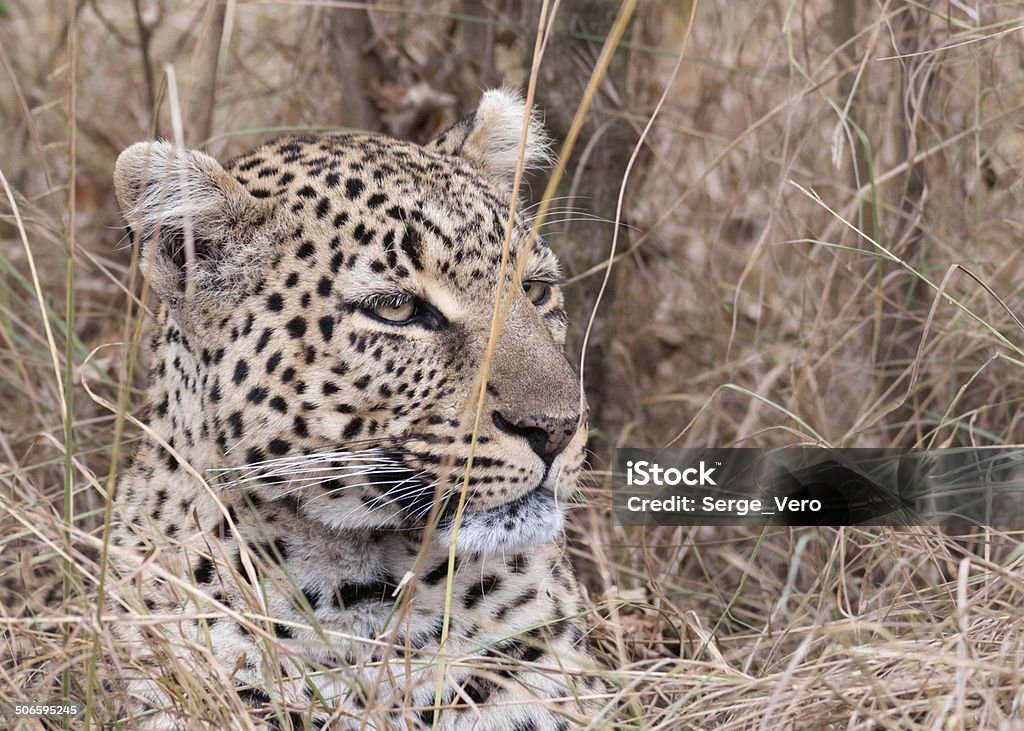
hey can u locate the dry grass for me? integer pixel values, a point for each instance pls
(823, 247)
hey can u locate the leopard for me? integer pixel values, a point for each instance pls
(361, 440)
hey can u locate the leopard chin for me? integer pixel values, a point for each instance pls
(529, 521)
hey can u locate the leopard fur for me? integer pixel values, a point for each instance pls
(301, 439)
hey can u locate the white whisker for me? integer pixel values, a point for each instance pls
(373, 507)
(315, 473)
(315, 458)
(379, 483)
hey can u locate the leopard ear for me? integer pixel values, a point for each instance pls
(194, 221)
(490, 138)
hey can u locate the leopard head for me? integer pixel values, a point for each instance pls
(328, 304)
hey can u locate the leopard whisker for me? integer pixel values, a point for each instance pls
(586, 219)
(411, 491)
(389, 498)
(328, 465)
(314, 466)
(411, 480)
(425, 511)
(315, 456)
(373, 506)
(353, 447)
(533, 207)
(365, 456)
(326, 474)
(377, 483)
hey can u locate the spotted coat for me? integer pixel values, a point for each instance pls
(326, 306)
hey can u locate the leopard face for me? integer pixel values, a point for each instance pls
(328, 305)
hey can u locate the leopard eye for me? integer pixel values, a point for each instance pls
(396, 312)
(537, 292)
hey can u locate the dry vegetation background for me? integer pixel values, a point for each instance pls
(821, 243)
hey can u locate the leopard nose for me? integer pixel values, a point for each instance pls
(548, 436)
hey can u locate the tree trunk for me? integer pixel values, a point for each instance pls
(597, 165)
